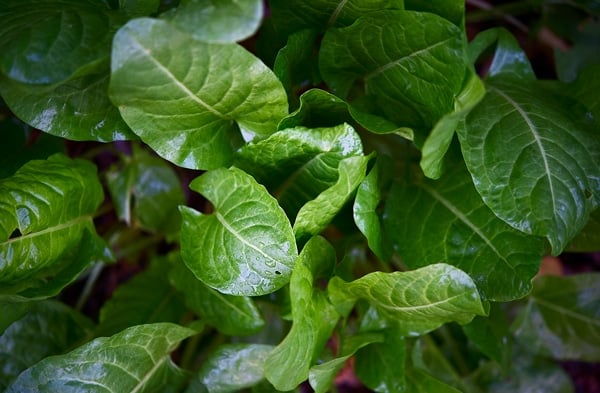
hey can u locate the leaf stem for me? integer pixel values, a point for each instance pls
(89, 285)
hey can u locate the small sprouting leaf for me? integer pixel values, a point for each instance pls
(414, 302)
(233, 367)
(188, 99)
(534, 159)
(562, 318)
(446, 220)
(217, 21)
(313, 318)
(246, 247)
(135, 360)
(231, 315)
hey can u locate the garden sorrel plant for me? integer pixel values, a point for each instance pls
(301, 190)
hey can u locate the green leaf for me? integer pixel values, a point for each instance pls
(584, 89)
(246, 247)
(146, 298)
(135, 360)
(562, 318)
(446, 220)
(582, 54)
(76, 109)
(138, 8)
(414, 302)
(217, 21)
(49, 41)
(321, 376)
(313, 318)
(588, 239)
(46, 226)
(146, 192)
(297, 164)
(318, 108)
(233, 367)
(187, 99)
(453, 10)
(534, 160)
(491, 335)
(420, 382)
(231, 315)
(47, 328)
(412, 78)
(315, 215)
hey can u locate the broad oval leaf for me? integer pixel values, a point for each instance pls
(415, 302)
(188, 99)
(534, 159)
(135, 360)
(246, 247)
(49, 41)
(446, 220)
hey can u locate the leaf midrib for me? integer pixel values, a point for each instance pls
(566, 311)
(51, 229)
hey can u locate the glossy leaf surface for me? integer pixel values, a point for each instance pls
(446, 220)
(535, 163)
(188, 99)
(246, 246)
(415, 302)
(313, 318)
(135, 360)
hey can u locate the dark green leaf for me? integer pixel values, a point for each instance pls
(491, 335)
(318, 108)
(313, 318)
(138, 8)
(534, 160)
(588, 239)
(583, 53)
(135, 360)
(453, 10)
(246, 247)
(184, 97)
(380, 366)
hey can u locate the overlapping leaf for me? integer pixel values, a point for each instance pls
(535, 162)
(187, 99)
(135, 360)
(246, 247)
(446, 220)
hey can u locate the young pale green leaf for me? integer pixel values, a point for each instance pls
(412, 77)
(446, 220)
(50, 41)
(313, 318)
(316, 214)
(415, 302)
(77, 109)
(298, 164)
(321, 376)
(562, 318)
(146, 193)
(534, 160)
(231, 315)
(146, 298)
(453, 10)
(217, 21)
(247, 246)
(233, 367)
(47, 328)
(135, 360)
(188, 99)
(46, 212)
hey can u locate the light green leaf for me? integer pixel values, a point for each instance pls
(50, 41)
(315, 215)
(76, 109)
(321, 376)
(415, 302)
(534, 159)
(46, 227)
(313, 318)
(231, 315)
(297, 164)
(187, 99)
(446, 220)
(562, 318)
(411, 77)
(146, 192)
(47, 328)
(146, 298)
(135, 360)
(246, 247)
(233, 367)
(218, 21)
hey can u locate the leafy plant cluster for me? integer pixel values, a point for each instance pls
(371, 190)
